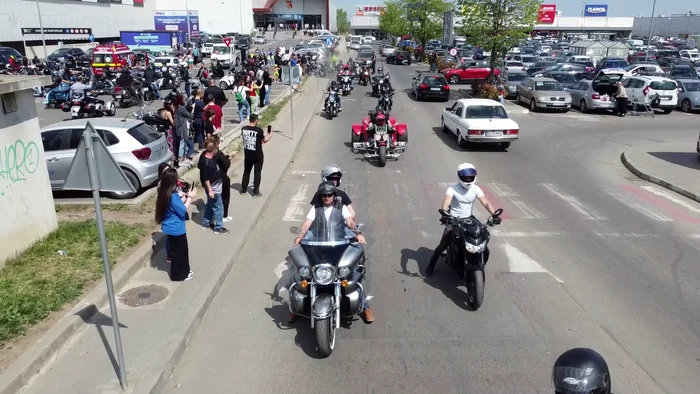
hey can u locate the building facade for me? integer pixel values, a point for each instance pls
(365, 19)
(215, 16)
(312, 14)
(668, 26)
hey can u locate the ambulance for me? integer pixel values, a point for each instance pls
(115, 56)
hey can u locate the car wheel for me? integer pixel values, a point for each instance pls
(134, 182)
(533, 105)
(454, 79)
(565, 110)
(517, 98)
(461, 142)
(417, 96)
(223, 85)
(582, 106)
(443, 128)
(504, 145)
(685, 106)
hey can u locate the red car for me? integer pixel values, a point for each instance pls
(468, 71)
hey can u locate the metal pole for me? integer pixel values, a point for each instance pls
(240, 14)
(651, 26)
(41, 26)
(291, 100)
(189, 33)
(95, 185)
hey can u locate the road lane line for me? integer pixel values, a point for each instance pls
(587, 213)
(295, 208)
(667, 195)
(527, 234)
(402, 193)
(507, 193)
(637, 207)
(520, 262)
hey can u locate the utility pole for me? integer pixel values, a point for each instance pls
(41, 26)
(651, 26)
(189, 32)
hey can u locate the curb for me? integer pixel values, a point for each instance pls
(24, 368)
(656, 180)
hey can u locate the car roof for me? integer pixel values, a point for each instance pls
(687, 80)
(111, 123)
(544, 79)
(653, 77)
(431, 74)
(473, 101)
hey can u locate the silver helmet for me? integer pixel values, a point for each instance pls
(331, 173)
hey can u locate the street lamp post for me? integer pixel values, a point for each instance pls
(41, 27)
(651, 26)
(189, 32)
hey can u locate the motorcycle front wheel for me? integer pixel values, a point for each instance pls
(325, 335)
(382, 156)
(475, 288)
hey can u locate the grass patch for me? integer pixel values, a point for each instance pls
(270, 114)
(39, 281)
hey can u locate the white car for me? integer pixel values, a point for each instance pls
(513, 65)
(368, 39)
(388, 50)
(259, 40)
(645, 89)
(354, 45)
(167, 61)
(206, 48)
(636, 69)
(480, 121)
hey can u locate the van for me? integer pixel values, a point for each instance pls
(228, 56)
(115, 56)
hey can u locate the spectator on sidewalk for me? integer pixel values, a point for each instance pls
(209, 128)
(212, 181)
(219, 114)
(224, 162)
(253, 139)
(254, 95)
(216, 92)
(199, 117)
(267, 83)
(621, 97)
(240, 92)
(183, 117)
(171, 212)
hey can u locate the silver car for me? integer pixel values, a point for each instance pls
(689, 95)
(512, 79)
(543, 93)
(135, 146)
(587, 99)
(259, 40)
(388, 50)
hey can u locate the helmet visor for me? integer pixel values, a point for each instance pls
(467, 175)
(569, 380)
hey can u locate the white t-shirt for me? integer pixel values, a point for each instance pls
(242, 90)
(327, 211)
(463, 199)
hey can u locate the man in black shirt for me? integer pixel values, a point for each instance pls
(216, 92)
(212, 177)
(253, 138)
(150, 77)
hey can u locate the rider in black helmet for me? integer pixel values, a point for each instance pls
(581, 370)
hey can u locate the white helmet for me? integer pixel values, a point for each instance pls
(466, 173)
(331, 173)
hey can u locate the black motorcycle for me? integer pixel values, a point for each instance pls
(385, 101)
(332, 104)
(468, 252)
(126, 98)
(345, 84)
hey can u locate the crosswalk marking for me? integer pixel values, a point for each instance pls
(639, 208)
(295, 209)
(574, 203)
(663, 193)
(402, 191)
(504, 191)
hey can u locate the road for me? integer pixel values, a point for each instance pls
(587, 255)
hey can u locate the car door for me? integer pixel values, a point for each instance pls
(524, 90)
(457, 116)
(58, 155)
(576, 92)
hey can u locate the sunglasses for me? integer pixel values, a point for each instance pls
(326, 195)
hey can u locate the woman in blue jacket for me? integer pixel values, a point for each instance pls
(171, 213)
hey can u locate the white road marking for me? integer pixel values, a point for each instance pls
(639, 208)
(520, 262)
(506, 192)
(577, 205)
(368, 171)
(296, 205)
(669, 196)
(425, 235)
(527, 234)
(403, 194)
(627, 235)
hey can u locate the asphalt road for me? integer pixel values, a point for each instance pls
(587, 255)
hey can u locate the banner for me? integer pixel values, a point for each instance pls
(147, 40)
(57, 30)
(595, 10)
(177, 21)
(547, 13)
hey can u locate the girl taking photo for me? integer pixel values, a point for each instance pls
(171, 214)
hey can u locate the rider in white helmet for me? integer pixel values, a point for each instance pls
(459, 202)
(332, 173)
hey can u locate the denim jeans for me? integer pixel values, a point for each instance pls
(188, 88)
(254, 104)
(186, 148)
(267, 95)
(213, 212)
(241, 105)
(156, 89)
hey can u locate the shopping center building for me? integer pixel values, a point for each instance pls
(365, 20)
(312, 14)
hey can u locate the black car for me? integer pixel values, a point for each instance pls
(564, 78)
(61, 54)
(684, 71)
(539, 66)
(242, 43)
(399, 57)
(577, 70)
(430, 85)
(6, 52)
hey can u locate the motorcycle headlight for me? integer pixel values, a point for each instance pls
(475, 248)
(323, 275)
(343, 272)
(305, 272)
(377, 137)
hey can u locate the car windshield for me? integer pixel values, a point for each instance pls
(60, 51)
(663, 85)
(218, 51)
(548, 86)
(486, 112)
(517, 77)
(356, 42)
(363, 55)
(565, 78)
(691, 86)
(528, 59)
(684, 72)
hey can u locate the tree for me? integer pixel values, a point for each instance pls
(497, 25)
(393, 20)
(421, 19)
(341, 20)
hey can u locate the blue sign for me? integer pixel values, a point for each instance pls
(329, 41)
(176, 21)
(91, 38)
(595, 10)
(147, 40)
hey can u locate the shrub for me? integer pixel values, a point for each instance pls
(488, 91)
(477, 86)
(443, 64)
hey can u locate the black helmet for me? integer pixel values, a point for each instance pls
(326, 188)
(581, 370)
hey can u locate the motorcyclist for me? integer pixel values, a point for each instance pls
(79, 88)
(459, 201)
(126, 81)
(377, 118)
(376, 78)
(332, 173)
(387, 89)
(333, 86)
(581, 371)
(329, 205)
(346, 71)
(150, 77)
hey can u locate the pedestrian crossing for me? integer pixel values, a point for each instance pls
(417, 200)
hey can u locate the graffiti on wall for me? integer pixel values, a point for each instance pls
(17, 161)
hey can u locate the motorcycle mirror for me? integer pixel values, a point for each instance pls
(498, 212)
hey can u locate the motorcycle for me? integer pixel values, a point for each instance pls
(153, 119)
(364, 77)
(88, 104)
(57, 96)
(345, 84)
(147, 91)
(332, 105)
(385, 101)
(169, 79)
(104, 86)
(384, 143)
(468, 252)
(327, 284)
(125, 97)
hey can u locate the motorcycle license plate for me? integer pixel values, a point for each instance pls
(494, 134)
(435, 89)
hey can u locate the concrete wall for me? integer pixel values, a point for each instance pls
(26, 204)
(667, 26)
(215, 16)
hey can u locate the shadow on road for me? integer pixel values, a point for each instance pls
(685, 159)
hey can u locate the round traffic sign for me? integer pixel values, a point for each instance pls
(453, 51)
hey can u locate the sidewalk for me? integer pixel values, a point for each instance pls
(674, 166)
(155, 336)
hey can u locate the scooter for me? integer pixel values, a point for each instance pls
(82, 105)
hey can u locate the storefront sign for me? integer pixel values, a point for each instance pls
(547, 13)
(138, 3)
(57, 30)
(287, 17)
(152, 39)
(595, 10)
(177, 21)
(370, 10)
(359, 13)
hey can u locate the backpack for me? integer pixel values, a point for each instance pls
(239, 94)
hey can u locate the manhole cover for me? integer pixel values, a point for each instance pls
(144, 295)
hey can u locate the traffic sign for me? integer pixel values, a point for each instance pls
(227, 41)
(453, 51)
(91, 38)
(329, 41)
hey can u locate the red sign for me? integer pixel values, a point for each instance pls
(359, 13)
(547, 13)
(227, 41)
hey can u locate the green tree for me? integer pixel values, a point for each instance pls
(421, 19)
(341, 20)
(497, 25)
(393, 20)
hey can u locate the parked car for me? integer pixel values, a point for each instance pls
(135, 146)
(430, 85)
(511, 79)
(512, 65)
(388, 50)
(543, 93)
(565, 79)
(579, 71)
(659, 92)
(399, 57)
(259, 40)
(689, 95)
(526, 60)
(682, 71)
(61, 54)
(354, 44)
(587, 99)
(611, 62)
(469, 71)
(480, 121)
(538, 66)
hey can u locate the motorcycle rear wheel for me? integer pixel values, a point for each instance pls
(325, 335)
(382, 156)
(475, 288)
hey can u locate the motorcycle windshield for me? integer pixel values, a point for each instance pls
(327, 228)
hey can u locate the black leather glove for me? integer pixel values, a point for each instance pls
(497, 220)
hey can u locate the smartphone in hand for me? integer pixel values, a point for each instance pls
(269, 129)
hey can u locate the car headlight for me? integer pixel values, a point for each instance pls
(305, 272)
(697, 98)
(475, 248)
(323, 275)
(542, 99)
(343, 272)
